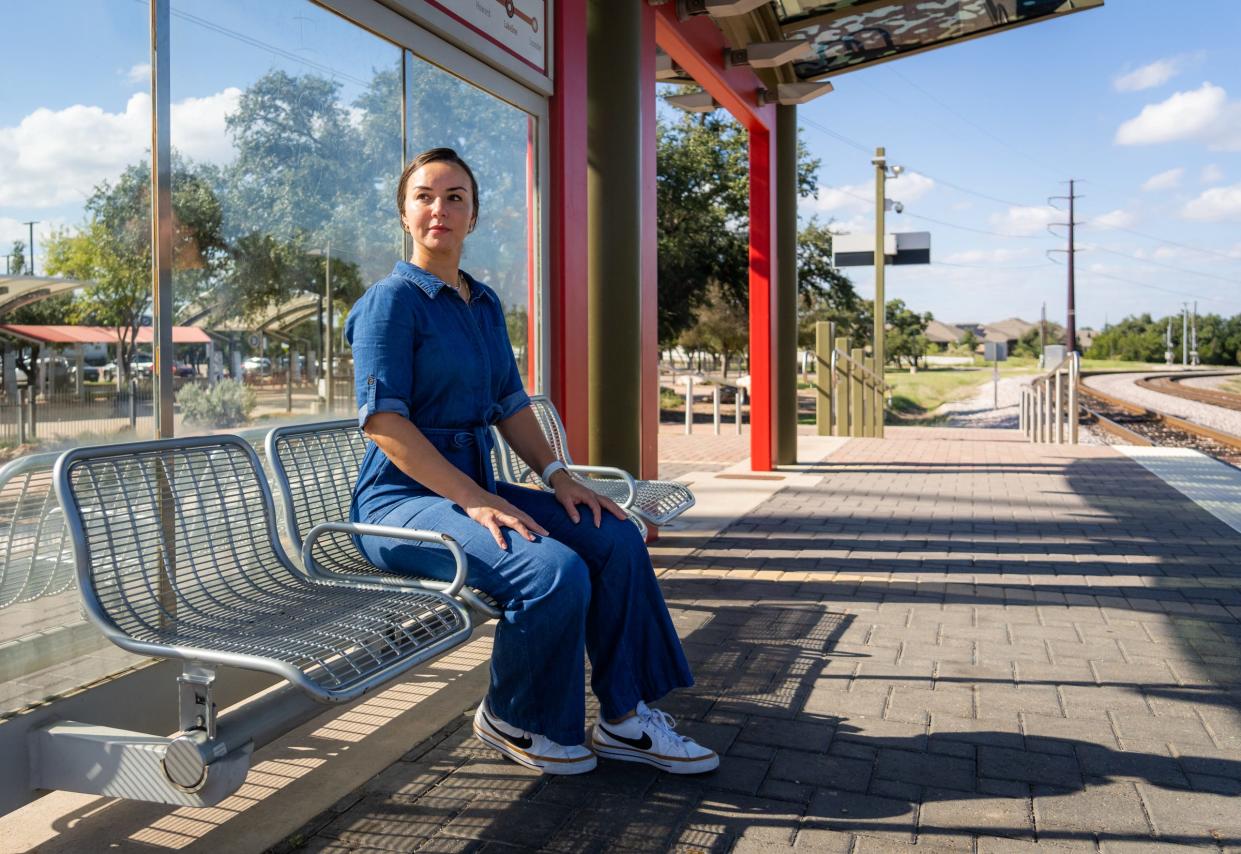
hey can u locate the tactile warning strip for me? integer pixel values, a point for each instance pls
(1212, 485)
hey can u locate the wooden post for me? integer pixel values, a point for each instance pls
(857, 395)
(823, 377)
(843, 390)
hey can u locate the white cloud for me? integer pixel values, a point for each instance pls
(1164, 180)
(55, 157)
(986, 256)
(847, 198)
(1027, 220)
(198, 129)
(1118, 218)
(1211, 174)
(1149, 76)
(1204, 114)
(1217, 203)
(139, 74)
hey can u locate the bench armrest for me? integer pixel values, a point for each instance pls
(452, 588)
(610, 471)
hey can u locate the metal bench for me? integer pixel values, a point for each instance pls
(315, 467)
(36, 558)
(177, 556)
(656, 502)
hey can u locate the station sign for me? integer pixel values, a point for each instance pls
(519, 27)
(858, 250)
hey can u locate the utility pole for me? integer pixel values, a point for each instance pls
(31, 224)
(1193, 336)
(1185, 334)
(1070, 328)
(1169, 354)
(1042, 335)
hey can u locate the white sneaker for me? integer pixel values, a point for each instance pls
(650, 736)
(529, 748)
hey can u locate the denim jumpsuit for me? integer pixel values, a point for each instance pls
(419, 350)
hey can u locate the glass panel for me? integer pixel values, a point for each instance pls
(286, 129)
(74, 134)
(848, 34)
(498, 141)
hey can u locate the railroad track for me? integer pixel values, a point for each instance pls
(1136, 425)
(1174, 385)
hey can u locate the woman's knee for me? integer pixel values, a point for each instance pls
(561, 576)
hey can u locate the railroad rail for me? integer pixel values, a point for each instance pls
(1137, 425)
(1174, 385)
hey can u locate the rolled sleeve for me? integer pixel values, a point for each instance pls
(512, 397)
(380, 329)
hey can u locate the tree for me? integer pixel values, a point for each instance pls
(112, 250)
(905, 334)
(968, 342)
(823, 292)
(703, 207)
(17, 258)
(721, 325)
(1137, 338)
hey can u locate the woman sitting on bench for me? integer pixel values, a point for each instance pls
(434, 369)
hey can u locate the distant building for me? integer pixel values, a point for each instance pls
(1086, 337)
(1008, 331)
(943, 335)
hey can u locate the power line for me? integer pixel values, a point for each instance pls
(1130, 257)
(1137, 233)
(843, 191)
(1151, 287)
(839, 137)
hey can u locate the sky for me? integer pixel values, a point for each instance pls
(1139, 101)
(1140, 104)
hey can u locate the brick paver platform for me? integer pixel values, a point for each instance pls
(954, 641)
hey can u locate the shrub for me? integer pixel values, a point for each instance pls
(225, 404)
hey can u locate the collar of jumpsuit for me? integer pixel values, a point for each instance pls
(432, 284)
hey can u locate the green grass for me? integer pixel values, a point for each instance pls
(928, 389)
(1232, 385)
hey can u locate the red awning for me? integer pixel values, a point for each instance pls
(97, 334)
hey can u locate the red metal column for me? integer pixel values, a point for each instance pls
(762, 279)
(568, 384)
(649, 369)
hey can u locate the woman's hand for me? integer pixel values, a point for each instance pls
(571, 492)
(493, 513)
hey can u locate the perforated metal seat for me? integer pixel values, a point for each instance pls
(655, 501)
(177, 556)
(36, 557)
(315, 467)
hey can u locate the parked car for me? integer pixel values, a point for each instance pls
(256, 365)
(90, 373)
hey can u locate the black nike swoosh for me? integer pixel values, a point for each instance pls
(643, 743)
(524, 742)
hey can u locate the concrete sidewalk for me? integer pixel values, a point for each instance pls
(949, 638)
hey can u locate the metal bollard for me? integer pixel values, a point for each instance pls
(715, 407)
(689, 404)
(1074, 369)
(740, 404)
(1059, 410)
(133, 403)
(21, 416)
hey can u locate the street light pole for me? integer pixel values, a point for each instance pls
(1185, 334)
(327, 347)
(31, 224)
(881, 174)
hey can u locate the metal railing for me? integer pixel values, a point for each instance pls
(1049, 409)
(713, 389)
(850, 394)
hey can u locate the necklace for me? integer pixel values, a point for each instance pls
(460, 283)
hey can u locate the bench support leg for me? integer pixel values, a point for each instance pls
(196, 704)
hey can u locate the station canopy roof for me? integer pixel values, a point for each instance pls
(845, 35)
(64, 335)
(851, 34)
(17, 291)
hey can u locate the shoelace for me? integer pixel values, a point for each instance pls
(663, 721)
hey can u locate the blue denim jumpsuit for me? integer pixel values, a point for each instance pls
(421, 351)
